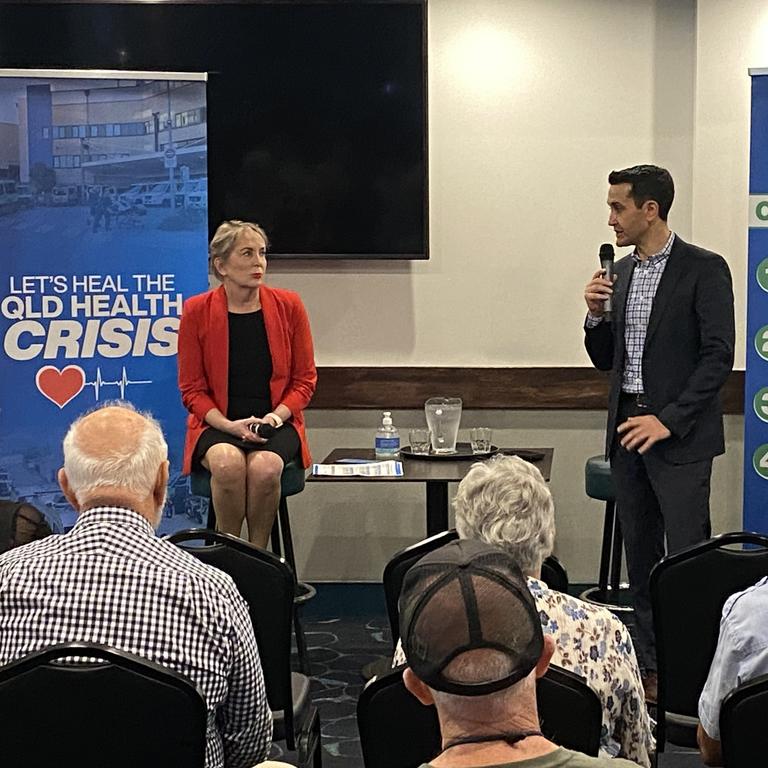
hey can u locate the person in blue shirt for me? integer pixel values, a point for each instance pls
(741, 655)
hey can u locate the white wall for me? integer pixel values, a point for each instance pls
(532, 102)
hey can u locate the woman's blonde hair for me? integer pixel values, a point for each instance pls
(224, 241)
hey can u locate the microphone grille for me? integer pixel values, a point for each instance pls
(606, 252)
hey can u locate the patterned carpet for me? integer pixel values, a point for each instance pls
(346, 628)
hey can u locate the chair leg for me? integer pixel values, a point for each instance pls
(285, 531)
(618, 551)
(298, 629)
(211, 523)
(275, 537)
(301, 644)
(310, 741)
(605, 550)
(317, 761)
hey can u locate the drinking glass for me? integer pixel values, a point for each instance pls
(443, 417)
(420, 441)
(480, 439)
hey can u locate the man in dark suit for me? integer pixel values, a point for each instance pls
(668, 344)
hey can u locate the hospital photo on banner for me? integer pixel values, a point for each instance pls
(103, 235)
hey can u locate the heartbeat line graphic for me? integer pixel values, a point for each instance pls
(123, 382)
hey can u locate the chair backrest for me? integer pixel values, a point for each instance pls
(688, 590)
(743, 715)
(268, 586)
(397, 731)
(121, 711)
(397, 567)
(554, 575)
(570, 712)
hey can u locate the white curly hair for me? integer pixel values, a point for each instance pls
(506, 502)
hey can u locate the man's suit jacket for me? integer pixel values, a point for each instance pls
(204, 359)
(688, 351)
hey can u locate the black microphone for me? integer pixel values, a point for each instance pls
(606, 262)
(265, 429)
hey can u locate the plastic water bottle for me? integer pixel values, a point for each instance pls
(387, 445)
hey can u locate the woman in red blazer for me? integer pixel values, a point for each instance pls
(245, 357)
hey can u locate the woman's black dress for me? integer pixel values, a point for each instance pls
(250, 369)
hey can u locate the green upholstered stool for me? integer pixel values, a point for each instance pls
(598, 484)
(598, 481)
(291, 483)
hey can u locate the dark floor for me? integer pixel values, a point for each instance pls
(346, 627)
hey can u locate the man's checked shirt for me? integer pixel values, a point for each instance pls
(646, 277)
(111, 580)
(642, 291)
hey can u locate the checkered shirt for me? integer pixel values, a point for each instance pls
(111, 580)
(642, 290)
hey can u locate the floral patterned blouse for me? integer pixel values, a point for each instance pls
(593, 643)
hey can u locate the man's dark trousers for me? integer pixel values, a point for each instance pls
(653, 495)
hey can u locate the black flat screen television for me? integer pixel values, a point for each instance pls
(316, 111)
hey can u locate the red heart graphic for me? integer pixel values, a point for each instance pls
(60, 386)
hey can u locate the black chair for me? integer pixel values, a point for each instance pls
(397, 731)
(688, 590)
(397, 567)
(267, 584)
(570, 712)
(554, 575)
(743, 715)
(103, 710)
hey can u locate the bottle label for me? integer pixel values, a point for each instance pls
(389, 444)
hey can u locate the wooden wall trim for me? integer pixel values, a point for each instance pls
(480, 388)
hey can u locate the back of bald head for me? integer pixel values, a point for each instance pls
(114, 446)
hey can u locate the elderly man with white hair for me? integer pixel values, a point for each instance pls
(505, 502)
(111, 580)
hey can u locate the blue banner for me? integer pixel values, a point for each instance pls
(103, 234)
(756, 379)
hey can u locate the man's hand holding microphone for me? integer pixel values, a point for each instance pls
(599, 291)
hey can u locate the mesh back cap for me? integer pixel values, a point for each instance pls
(469, 623)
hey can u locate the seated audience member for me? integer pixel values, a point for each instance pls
(741, 656)
(20, 523)
(125, 587)
(505, 502)
(475, 648)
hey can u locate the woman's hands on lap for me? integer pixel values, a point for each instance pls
(240, 428)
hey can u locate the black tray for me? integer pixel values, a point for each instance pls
(530, 456)
(463, 451)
